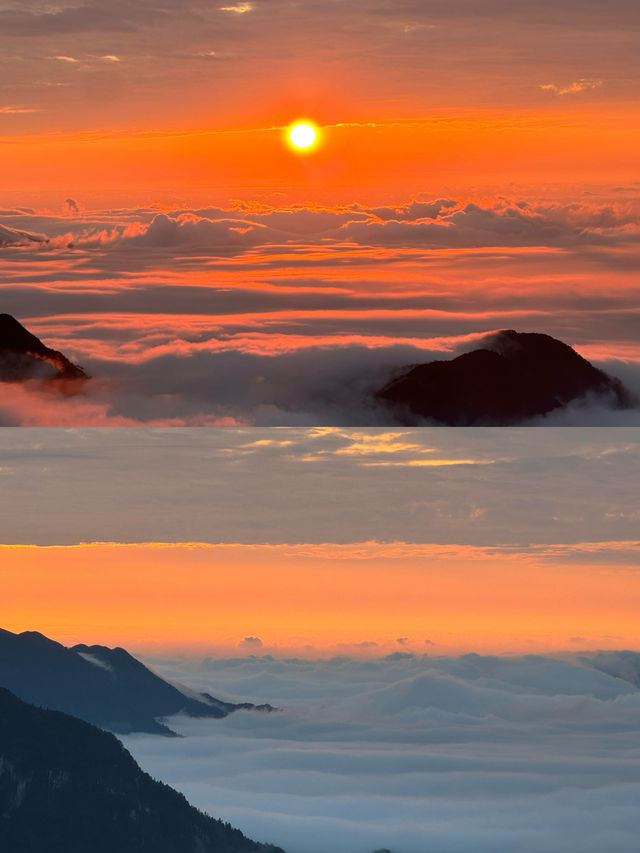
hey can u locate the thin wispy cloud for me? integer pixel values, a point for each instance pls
(582, 85)
(238, 8)
(17, 109)
(226, 502)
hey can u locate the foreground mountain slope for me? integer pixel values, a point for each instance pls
(106, 687)
(68, 787)
(23, 356)
(513, 377)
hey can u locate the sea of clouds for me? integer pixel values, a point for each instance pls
(414, 753)
(296, 315)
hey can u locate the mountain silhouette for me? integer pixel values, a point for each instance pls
(513, 377)
(106, 687)
(23, 356)
(68, 787)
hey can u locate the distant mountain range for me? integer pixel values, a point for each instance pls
(515, 376)
(23, 356)
(68, 787)
(106, 687)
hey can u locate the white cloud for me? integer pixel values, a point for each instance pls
(459, 755)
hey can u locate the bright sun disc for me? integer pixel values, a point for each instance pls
(302, 135)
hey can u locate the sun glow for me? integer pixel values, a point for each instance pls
(323, 594)
(302, 135)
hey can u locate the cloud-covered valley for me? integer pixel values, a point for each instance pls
(413, 753)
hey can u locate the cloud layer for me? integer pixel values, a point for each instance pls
(285, 315)
(412, 753)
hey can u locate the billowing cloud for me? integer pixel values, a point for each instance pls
(296, 314)
(330, 385)
(165, 231)
(438, 224)
(412, 752)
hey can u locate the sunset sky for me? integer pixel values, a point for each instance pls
(445, 619)
(150, 100)
(322, 541)
(476, 169)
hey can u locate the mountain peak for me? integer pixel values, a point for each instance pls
(107, 687)
(511, 377)
(24, 356)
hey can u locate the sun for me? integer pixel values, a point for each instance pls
(302, 135)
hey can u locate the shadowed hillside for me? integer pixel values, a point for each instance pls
(68, 787)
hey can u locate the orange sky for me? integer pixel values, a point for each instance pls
(383, 162)
(208, 597)
(153, 218)
(425, 95)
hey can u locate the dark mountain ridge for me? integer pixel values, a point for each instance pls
(107, 687)
(68, 787)
(23, 356)
(515, 376)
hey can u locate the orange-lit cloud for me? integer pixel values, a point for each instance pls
(582, 85)
(16, 109)
(144, 297)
